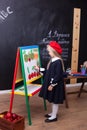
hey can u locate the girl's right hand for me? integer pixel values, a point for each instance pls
(37, 68)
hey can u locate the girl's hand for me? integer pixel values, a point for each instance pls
(50, 88)
(37, 68)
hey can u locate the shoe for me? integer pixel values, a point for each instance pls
(48, 120)
(47, 116)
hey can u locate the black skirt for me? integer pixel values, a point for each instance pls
(55, 72)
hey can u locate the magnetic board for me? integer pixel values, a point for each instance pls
(29, 59)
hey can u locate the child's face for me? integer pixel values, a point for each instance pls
(50, 51)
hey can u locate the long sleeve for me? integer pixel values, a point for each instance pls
(56, 73)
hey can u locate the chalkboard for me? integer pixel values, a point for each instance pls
(29, 23)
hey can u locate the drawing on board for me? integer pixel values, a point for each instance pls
(30, 59)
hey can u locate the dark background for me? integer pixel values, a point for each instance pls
(38, 22)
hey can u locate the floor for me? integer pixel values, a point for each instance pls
(72, 118)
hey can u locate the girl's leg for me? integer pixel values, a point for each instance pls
(54, 113)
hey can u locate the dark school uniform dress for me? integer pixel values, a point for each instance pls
(54, 77)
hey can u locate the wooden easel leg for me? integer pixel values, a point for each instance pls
(45, 106)
(28, 110)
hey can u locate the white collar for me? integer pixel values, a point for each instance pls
(55, 58)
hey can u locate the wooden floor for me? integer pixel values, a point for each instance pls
(73, 118)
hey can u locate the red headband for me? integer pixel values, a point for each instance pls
(56, 46)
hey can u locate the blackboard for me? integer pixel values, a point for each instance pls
(28, 23)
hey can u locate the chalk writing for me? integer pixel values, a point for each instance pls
(62, 38)
(5, 13)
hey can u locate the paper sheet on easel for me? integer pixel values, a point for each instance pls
(31, 89)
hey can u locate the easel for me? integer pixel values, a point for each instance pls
(21, 73)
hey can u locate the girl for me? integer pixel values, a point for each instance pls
(53, 86)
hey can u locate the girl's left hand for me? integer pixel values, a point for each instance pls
(50, 88)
